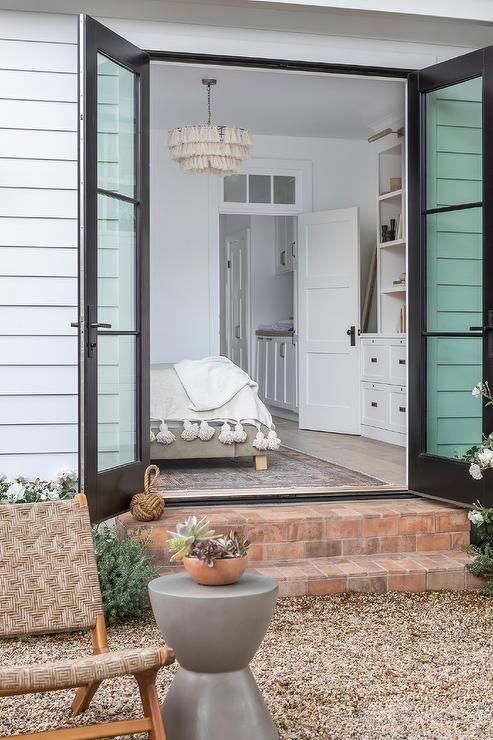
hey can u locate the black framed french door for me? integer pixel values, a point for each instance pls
(450, 282)
(114, 306)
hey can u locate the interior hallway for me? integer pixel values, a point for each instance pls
(379, 459)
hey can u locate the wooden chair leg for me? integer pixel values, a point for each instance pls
(83, 698)
(260, 462)
(150, 703)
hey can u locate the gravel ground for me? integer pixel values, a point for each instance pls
(343, 666)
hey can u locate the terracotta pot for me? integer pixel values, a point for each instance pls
(222, 572)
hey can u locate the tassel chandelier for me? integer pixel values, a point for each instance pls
(207, 148)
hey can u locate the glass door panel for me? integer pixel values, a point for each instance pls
(454, 266)
(116, 371)
(450, 230)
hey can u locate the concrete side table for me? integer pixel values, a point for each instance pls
(215, 632)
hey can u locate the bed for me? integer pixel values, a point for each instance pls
(208, 409)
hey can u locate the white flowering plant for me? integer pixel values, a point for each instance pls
(480, 456)
(20, 490)
(481, 518)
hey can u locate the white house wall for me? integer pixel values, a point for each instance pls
(38, 243)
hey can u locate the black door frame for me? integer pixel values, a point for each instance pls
(286, 65)
(109, 492)
(430, 474)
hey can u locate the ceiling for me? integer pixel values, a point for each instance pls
(277, 103)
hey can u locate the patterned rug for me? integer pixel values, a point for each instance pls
(287, 469)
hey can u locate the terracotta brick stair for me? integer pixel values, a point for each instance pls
(371, 546)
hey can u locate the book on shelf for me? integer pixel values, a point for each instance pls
(399, 232)
(402, 320)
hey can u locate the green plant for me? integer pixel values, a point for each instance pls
(125, 569)
(235, 545)
(187, 533)
(20, 490)
(481, 519)
(207, 551)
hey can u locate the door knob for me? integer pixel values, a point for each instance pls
(351, 332)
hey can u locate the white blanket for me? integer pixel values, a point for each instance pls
(170, 402)
(212, 382)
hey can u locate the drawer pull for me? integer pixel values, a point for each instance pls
(402, 362)
(373, 359)
(402, 409)
(374, 404)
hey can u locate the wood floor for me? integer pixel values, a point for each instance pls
(378, 459)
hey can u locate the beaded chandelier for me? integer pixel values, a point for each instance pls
(207, 148)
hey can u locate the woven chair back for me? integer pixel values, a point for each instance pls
(48, 575)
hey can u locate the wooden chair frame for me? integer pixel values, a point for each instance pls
(151, 722)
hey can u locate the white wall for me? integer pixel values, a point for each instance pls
(38, 243)
(184, 262)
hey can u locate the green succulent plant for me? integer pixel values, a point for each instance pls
(235, 545)
(187, 533)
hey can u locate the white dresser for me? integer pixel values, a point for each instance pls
(383, 388)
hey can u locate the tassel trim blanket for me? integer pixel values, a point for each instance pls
(206, 398)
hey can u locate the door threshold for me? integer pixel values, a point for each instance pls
(314, 494)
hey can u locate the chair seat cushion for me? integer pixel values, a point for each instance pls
(65, 674)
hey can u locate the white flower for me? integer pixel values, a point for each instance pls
(475, 517)
(64, 476)
(15, 492)
(478, 389)
(485, 458)
(475, 471)
(52, 495)
(2, 477)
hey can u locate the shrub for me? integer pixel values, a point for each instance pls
(125, 569)
(481, 519)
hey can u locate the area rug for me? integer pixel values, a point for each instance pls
(286, 469)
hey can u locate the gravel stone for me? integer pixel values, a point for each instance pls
(351, 665)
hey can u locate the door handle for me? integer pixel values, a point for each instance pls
(237, 332)
(283, 258)
(99, 325)
(351, 332)
(282, 350)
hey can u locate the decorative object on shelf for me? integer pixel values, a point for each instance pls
(208, 148)
(210, 559)
(402, 320)
(400, 227)
(148, 506)
(395, 184)
(370, 289)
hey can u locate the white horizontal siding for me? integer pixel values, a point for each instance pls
(38, 57)
(33, 320)
(38, 114)
(38, 291)
(38, 232)
(38, 381)
(38, 203)
(32, 261)
(45, 410)
(38, 243)
(15, 350)
(20, 85)
(38, 144)
(37, 173)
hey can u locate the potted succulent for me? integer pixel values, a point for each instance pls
(210, 559)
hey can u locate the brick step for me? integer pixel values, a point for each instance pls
(325, 530)
(410, 571)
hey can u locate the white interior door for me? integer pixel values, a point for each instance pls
(237, 298)
(328, 306)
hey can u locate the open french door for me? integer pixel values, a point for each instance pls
(114, 285)
(450, 131)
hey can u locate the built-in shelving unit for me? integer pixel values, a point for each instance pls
(384, 354)
(391, 255)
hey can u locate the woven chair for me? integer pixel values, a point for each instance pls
(49, 583)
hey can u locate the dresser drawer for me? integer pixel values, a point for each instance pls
(398, 363)
(375, 405)
(375, 361)
(398, 410)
